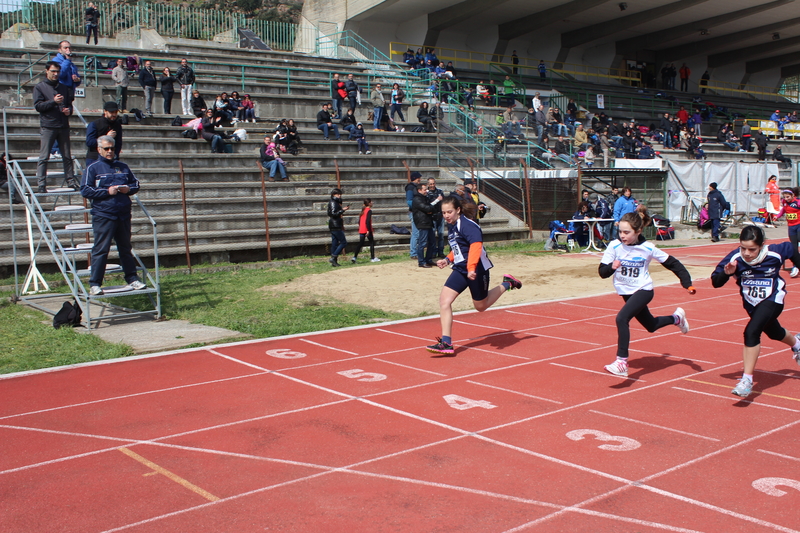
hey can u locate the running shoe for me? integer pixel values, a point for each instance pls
(441, 347)
(137, 285)
(354, 260)
(796, 353)
(618, 368)
(683, 324)
(795, 271)
(95, 290)
(743, 388)
(514, 282)
(375, 260)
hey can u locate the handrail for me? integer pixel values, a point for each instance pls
(20, 85)
(529, 65)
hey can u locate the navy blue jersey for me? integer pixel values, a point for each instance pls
(761, 282)
(460, 236)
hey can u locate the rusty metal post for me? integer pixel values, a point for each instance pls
(338, 175)
(408, 171)
(528, 195)
(185, 220)
(266, 218)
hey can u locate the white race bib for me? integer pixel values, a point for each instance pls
(756, 291)
(458, 257)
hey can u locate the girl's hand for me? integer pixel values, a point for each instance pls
(441, 263)
(730, 268)
(692, 290)
(472, 276)
(616, 264)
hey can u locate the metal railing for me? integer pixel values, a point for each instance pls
(66, 17)
(526, 66)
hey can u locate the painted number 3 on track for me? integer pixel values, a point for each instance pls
(625, 444)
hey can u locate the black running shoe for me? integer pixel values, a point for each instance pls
(441, 347)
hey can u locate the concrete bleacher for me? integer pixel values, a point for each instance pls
(223, 192)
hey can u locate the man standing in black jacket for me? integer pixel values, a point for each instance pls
(433, 192)
(109, 124)
(422, 210)
(147, 79)
(53, 101)
(186, 78)
(716, 205)
(336, 225)
(92, 20)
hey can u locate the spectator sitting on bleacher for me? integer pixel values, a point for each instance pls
(247, 111)
(588, 156)
(647, 151)
(561, 150)
(235, 106)
(732, 141)
(348, 123)
(693, 146)
(408, 59)
(209, 123)
(629, 145)
(776, 118)
(777, 155)
(420, 57)
(281, 135)
(793, 118)
(469, 98)
(482, 91)
(424, 116)
(222, 107)
(198, 104)
(511, 125)
(450, 71)
(615, 132)
(437, 116)
(430, 55)
(294, 137)
(325, 124)
(580, 140)
(439, 71)
(556, 122)
(493, 92)
(271, 160)
(361, 139)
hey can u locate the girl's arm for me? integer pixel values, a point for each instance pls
(606, 270)
(474, 256)
(679, 270)
(369, 221)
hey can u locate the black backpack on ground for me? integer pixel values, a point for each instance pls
(177, 121)
(68, 316)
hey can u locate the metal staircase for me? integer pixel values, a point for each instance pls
(58, 223)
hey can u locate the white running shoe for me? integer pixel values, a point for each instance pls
(137, 285)
(795, 271)
(796, 354)
(683, 324)
(743, 388)
(618, 368)
(375, 260)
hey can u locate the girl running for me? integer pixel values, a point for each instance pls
(757, 270)
(627, 259)
(791, 207)
(470, 266)
(365, 231)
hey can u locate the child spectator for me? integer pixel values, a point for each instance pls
(361, 138)
(270, 159)
(247, 111)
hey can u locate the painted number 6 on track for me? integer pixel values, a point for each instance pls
(625, 444)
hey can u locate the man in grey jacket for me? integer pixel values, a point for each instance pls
(53, 101)
(121, 82)
(378, 106)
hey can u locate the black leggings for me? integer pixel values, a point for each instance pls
(371, 239)
(764, 319)
(794, 237)
(636, 307)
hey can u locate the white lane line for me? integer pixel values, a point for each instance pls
(782, 456)
(484, 350)
(132, 395)
(723, 341)
(607, 374)
(693, 360)
(515, 392)
(62, 459)
(572, 340)
(777, 374)
(537, 316)
(732, 397)
(505, 330)
(609, 309)
(603, 325)
(409, 367)
(328, 347)
(402, 334)
(654, 425)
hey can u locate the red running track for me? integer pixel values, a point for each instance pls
(362, 430)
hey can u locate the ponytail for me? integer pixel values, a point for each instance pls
(638, 220)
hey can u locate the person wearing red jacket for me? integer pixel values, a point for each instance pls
(685, 72)
(365, 232)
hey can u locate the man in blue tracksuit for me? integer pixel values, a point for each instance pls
(109, 185)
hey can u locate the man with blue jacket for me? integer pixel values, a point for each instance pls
(624, 204)
(109, 185)
(717, 205)
(69, 72)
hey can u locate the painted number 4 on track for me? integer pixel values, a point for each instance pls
(462, 404)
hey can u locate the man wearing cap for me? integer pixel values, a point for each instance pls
(109, 124)
(716, 205)
(411, 190)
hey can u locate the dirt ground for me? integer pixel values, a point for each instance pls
(406, 288)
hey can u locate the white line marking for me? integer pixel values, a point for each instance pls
(484, 326)
(607, 374)
(328, 347)
(716, 340)
(537, 316)
(409, 367)
(132, 395)
(484, 350)
(654, 425)
(693, 360)
(732, 397)
(61, 459)
(777, 374)
(515, 392)
(781, 455)
(579, 341)
(401, 334)
(609, 309)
